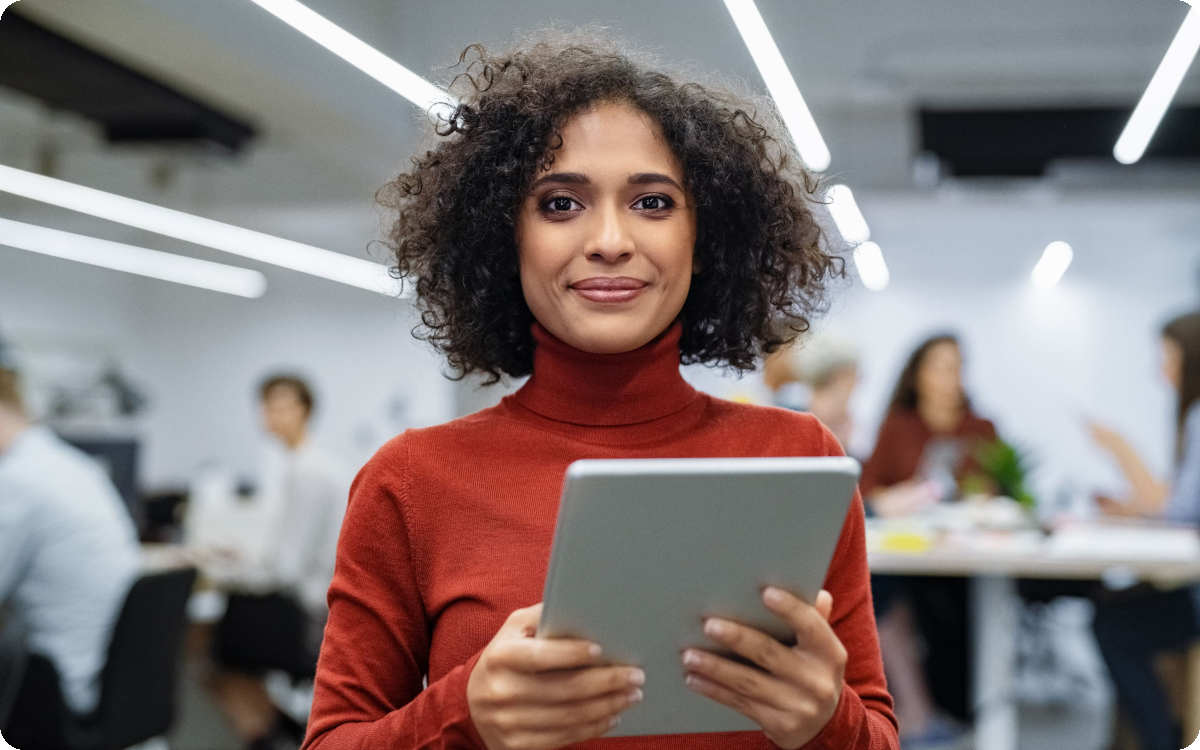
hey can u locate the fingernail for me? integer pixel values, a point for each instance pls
(773, 595)
(691, 658)
(595, 650)
(614, 721)
(714, 627)
(637, 677)
(691, 681)
(635, 696)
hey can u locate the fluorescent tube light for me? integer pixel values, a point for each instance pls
(780, 83)
(849, 220)
(1154, 102)
(1053, 264)
(358, 53)
(868, 259)
(247, 243)
(142, 261)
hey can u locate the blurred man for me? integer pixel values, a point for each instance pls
(275, 619)
(68, 548)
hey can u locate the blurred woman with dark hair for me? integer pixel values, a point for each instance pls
(924, 448)
(1132, 625)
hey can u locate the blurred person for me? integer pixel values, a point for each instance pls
(68, 547)
(1131, 626)
(816, 373)
(827, 365)
(276, 611)
(923, 449)
(592, 222)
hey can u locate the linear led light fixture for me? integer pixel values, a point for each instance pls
(849, 220)
(296, 256)
(868, 259)
(1161, 90)
(775, 73)
(143, 261)
(359, 54)
(1055, 260)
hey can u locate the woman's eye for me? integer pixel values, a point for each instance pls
(654, 202)
(558, 204)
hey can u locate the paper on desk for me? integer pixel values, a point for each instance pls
(1126, 542)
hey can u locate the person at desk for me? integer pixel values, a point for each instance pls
(1132, 626)
(923, 449)
(591, 222)
(276, 611)
(68, 547)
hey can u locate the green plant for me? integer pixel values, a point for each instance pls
(1003, 468)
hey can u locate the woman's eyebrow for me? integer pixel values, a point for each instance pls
(578, 178)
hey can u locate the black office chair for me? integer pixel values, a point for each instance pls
(137, 685)
(13, 657)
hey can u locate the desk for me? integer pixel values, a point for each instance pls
(992, 561)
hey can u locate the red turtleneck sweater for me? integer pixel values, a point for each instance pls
(449, 528)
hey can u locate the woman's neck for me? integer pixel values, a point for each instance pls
(585, 388)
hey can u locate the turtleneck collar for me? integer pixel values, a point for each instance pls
(582, 388)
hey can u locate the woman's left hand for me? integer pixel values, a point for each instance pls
(798, 693)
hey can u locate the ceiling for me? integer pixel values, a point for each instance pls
(330, 134)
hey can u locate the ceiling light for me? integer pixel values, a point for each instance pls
(1162, 87)
(780, 83)
(297, 256)
(849, 220)
(358, 53)
(1053, 264)
(142, 261)
(868, 259)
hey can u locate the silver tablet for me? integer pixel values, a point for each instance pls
(644, 549)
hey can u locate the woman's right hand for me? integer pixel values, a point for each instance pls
(528, 693)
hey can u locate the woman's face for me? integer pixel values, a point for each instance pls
(605, 236)
(939, 377)
(1172, 362)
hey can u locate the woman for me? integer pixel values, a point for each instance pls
(1132, 626)
(590, 222)
(923, 450)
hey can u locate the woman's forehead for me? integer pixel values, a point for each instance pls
(611, 141)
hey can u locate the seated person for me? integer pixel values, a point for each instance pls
(68, 547)
(924, 448)
(1132, 625)
(276, 615)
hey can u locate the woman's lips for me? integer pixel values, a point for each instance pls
(611, 290)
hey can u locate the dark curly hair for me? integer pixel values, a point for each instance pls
(759, 248)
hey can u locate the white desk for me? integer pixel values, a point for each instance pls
(992, 561)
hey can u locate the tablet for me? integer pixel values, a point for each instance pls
(644, 549)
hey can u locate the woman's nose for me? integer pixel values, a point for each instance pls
(610, 240)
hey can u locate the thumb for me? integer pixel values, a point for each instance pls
(824, 604)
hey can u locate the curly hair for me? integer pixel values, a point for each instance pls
(759, 248)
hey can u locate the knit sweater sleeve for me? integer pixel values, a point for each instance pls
(375, 653)
(864, 719)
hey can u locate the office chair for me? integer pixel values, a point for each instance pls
(137, 685)
(13, 657)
